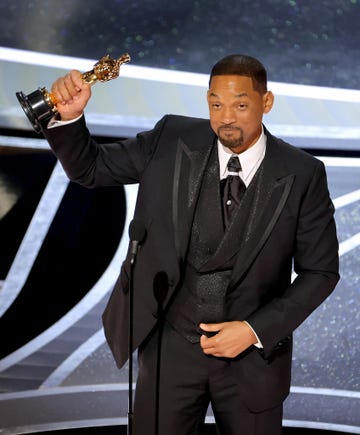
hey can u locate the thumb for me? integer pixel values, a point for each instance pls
(211, 327)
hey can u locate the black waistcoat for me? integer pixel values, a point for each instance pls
(201, 297)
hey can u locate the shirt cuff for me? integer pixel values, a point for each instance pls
(54, 122)
(258, 344)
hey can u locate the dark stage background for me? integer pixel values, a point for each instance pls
(307, 42)
(61, 246)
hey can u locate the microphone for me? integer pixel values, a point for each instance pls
(137, 232)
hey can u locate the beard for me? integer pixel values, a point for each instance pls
(233, 141)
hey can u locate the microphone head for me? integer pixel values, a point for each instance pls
(137, 231)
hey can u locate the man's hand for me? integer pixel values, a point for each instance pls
(232, 338)
(71, 95)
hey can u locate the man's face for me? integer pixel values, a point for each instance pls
(236, 110)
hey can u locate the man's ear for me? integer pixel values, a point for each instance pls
(268, 100)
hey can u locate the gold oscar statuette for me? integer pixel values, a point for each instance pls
(40, 105)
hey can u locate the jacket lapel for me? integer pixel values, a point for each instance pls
(190, 163)
(263, 216)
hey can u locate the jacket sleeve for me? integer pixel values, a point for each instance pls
(92, 164)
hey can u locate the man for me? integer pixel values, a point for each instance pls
(224, 259)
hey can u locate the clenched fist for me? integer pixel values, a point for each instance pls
(71, 95)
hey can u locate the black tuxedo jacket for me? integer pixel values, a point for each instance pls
(291, 225)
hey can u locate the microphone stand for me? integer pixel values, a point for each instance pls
(160, 316)
(160, 287)
(137, 232)
(131, 333)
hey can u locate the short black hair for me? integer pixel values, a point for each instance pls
(242, 65)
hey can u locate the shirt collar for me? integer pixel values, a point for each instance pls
(249, 159)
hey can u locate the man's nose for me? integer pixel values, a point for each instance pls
(228, 116)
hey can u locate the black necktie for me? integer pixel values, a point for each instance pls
(233, 189)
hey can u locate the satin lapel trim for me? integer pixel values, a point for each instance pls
(263, 227)
(188, 173)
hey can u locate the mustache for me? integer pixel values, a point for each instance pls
(229, 128)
